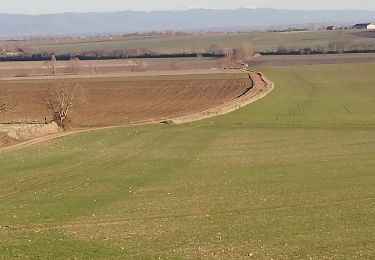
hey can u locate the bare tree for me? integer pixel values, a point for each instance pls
(331, 46)
(238, 55)
(247, 50)
(199, 56)
(53, 64)
(340, 47)
(63, 99)
(321, 49)
(215, 50)
(94, 68)
(75, 66)
(337, 46)
(282, 49)
(243, 53)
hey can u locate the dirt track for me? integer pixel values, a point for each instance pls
(148, 73)
(260, 88)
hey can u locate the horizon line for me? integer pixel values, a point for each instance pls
(186, 9)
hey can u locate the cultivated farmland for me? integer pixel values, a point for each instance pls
(288, 177)
(123, 100)
(261, 41)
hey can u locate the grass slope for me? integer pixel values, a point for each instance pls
(291, 176)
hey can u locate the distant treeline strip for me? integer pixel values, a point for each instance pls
(90, 56)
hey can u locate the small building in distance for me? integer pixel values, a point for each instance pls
(331, 28)
(364, 26)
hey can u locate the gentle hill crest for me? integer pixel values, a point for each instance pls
(17, 25)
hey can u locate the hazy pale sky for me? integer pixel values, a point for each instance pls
(59, 6)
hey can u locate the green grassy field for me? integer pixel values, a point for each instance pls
(289, 177)
(261, 41)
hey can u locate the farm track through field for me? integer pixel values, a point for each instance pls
(261, 87)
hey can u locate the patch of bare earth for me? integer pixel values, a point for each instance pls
(33, 131)
(119, 101)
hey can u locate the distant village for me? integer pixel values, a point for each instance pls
(359, 26)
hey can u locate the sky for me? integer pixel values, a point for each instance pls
(60, 6)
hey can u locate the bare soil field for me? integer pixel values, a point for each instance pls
(260, 87)
(123, 100)
(38, 68)
(295, 60)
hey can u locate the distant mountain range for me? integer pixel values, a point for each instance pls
(12, 25)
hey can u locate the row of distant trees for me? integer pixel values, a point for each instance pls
(23, 52)
(334, 47)
(73, 66)
(228, 57)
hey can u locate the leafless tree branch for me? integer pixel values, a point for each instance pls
(63, 99)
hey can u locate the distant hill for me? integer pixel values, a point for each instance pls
(189, 20)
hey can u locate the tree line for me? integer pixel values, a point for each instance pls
(104, 55)
(25, 53)
(333, 47)
(22, 52)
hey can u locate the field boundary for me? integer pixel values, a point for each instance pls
(261, 88)
(128, 74)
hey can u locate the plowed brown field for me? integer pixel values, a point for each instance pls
(115, 101)
(41, 68)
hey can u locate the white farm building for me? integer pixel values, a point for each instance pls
(364, 26)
